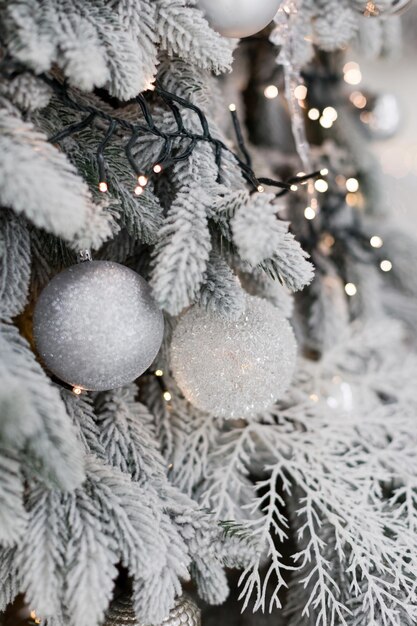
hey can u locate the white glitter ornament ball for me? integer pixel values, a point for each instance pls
(239, 18)
(96, 325)
(234, 369)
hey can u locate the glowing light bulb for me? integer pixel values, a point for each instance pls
(352, 199)
(326, 122)
(309, 213)
(271, 92)
(328, 240)
(352, 185)
(352, 73)
(313, 114)
(358, 99)
(376, 242)
(350, 65)
(138, 190)
(300, 92)
(159, 373)
(302, 182)
(261, 188)
(321, 185)
(351, 289)
(371, 10)
(167, 396)
(293, 187)
(385, 265)
(330, 113)
(77, 391)
(324, 171)
(232, 107)
(142, 180)
(103, 187)
(157, 168)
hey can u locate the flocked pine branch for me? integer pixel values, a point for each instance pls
(37, 424)
(34, 175)
(15, 265)
(221, 292)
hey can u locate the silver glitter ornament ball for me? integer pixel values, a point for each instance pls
(239, 18)
(184, 613)
(96, 325)
(234, 369)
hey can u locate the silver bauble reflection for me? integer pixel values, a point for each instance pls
(234, 369)
(184, 613)
(96, 325)
(239, 18)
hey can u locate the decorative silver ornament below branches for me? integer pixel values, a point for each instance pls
(184, 613)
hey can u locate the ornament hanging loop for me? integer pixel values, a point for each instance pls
(84, 255)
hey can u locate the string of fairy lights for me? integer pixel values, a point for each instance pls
(176, 145)
(349, 187)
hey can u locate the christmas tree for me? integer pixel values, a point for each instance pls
(207, 386)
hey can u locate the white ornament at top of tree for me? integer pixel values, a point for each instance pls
(239, 18)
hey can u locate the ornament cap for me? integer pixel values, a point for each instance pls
(84, 255)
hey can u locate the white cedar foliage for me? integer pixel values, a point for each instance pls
(192, 437)
(289, 262)
(126, 511)
(221, 292)
(12, 513)
(26, 91)
(68, 555)
(187, 534)
(335, 23)
(184, 32)
(110, 44)
(9, 585)
(34, 419)
(332, 25)
(34, 175)
(15, 260)
(124, 433)
(260, 235)
(142, 216)
(332, 460)
(325, 469)
(328, 319)
(257, 231)
(182, 253)
(137, 17)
